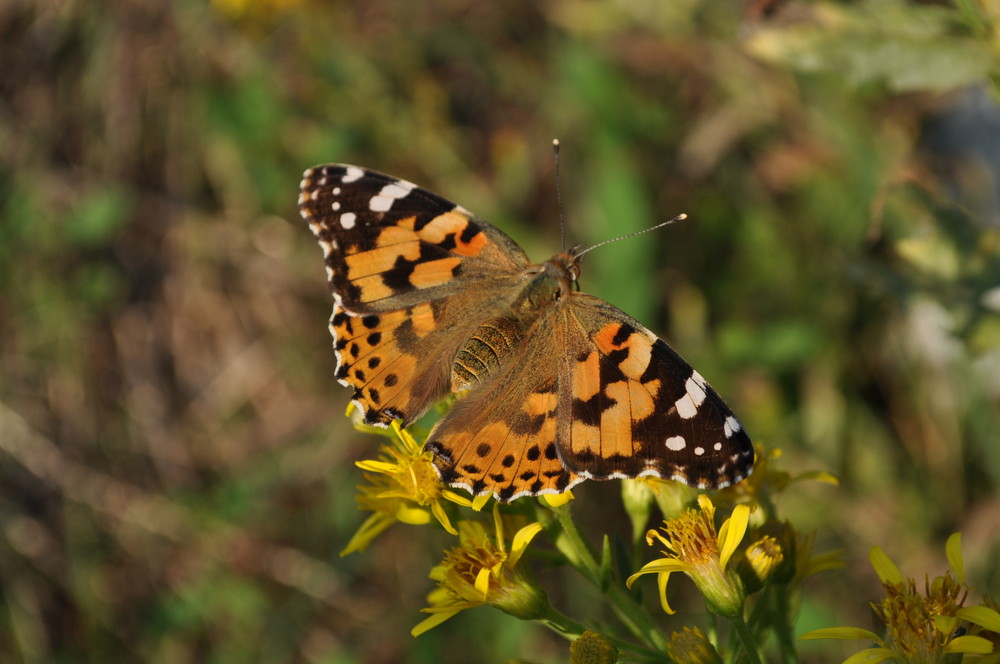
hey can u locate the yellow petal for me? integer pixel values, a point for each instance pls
(732, 532)
(661, 583)
(369, 530)
(457, 498)
(982, 616)
(872, 656)
(953, 549)
(431, 622)
(483, 581)
(661, 566)
(557, 499)
(945, 624)
(705, 503)
(479, 502)
(972, 645)
(840, 633)
(818, 476)
(415, 516)
(522, 538)
(442, 517)
(374, 466)
(498, 527)
(884, 567)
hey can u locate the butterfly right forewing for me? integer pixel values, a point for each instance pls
(633, 407)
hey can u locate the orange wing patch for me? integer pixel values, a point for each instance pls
(513, 457)
(371, 360)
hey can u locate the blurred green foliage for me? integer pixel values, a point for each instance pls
(177, 475)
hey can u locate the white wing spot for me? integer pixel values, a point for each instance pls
(676, 443)
(335, 206)
(731, 426)
(336, 191)
(314, 195)
(322, 181)
(686, 408)
(348, 219)
(687, 405)
(696, 388)
(388, 195)
(353, 173)
(717, 447)
(699, 451)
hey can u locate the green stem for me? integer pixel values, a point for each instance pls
(581, 555)
(782, 625)
(562, 624)
(749, 645)
(579, 551)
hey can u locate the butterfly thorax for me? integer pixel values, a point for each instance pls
(495, 342)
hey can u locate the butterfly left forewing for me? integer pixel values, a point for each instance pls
(632, 407)
(410, 272)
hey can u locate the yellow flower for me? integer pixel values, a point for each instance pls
(692, 646)
(922, 627)
(759, 563)
(403, 485)
(694, 548)
(592, 648)
(482, 571)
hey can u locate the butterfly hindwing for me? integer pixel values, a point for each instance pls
(500, 436)
(633, 407)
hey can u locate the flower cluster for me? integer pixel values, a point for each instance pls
(924, 626)
(748, 565)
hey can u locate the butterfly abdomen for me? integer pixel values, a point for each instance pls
(486, 351)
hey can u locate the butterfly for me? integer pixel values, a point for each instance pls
(558, 386)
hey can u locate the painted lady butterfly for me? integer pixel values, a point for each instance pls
(559, 386)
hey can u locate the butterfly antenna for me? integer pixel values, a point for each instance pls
(562, 213)
(680, 217)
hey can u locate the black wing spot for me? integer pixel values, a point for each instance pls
(483, 449)
(391, 380)
(374, 339)
(471, 468)
(508, 461)
(533, 453)
(374, 362)
(370, 321)
(622, 335)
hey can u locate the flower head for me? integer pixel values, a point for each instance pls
(403, 485)
(695, 548)
(592, 648)
(481, 570)
(923, 627)
(691, 645)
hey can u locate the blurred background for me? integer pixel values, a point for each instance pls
(176, 474)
